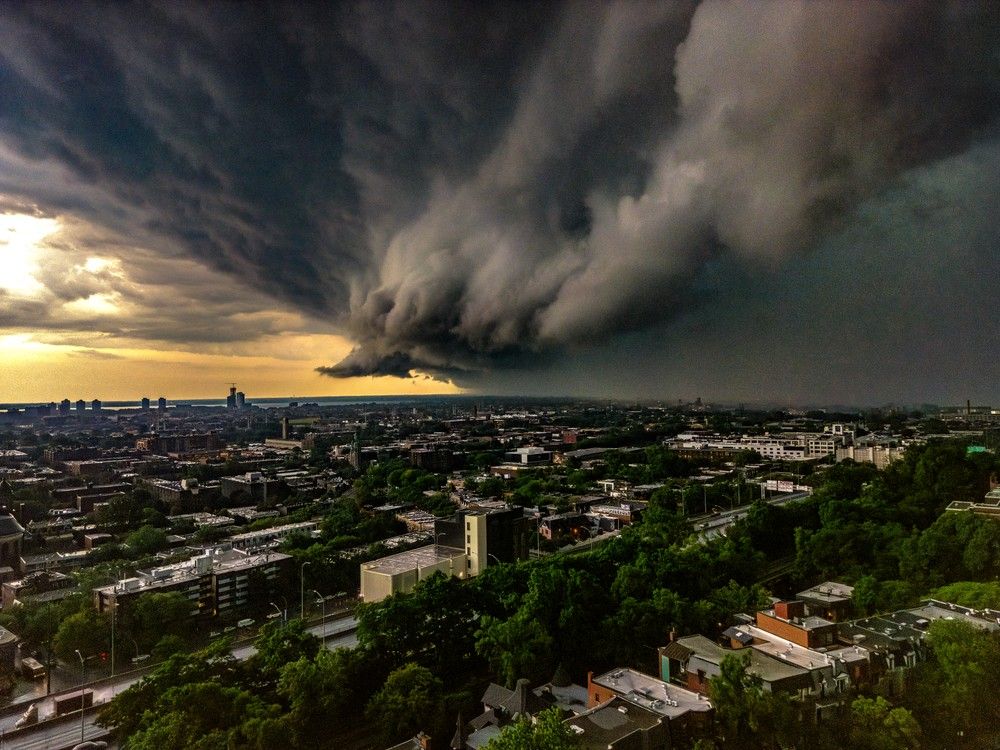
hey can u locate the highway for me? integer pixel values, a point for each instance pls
(64, 733)
(716, 526)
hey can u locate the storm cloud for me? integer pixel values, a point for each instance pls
(467, 188)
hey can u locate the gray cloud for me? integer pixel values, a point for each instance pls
(466, 189)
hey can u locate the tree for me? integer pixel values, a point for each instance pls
(516, 647)
(205, 716)
(279, 644)
(410, 700)
(968, 673)
(876, 725)
(122, 512)
(970, 594)
(132, 709)
(147, 540)
(86, 632)
(156, 614)
(749, 716)
(548, 733)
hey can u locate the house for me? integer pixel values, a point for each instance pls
(788, 619)
(687, 713)
(830, 600)
(618, 724)
(830, 676)
(693, 660)
(500, 707)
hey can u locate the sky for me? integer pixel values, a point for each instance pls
(781, 202)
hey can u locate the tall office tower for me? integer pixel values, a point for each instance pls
(241, 400)
(231, 399)
(95, 405)
(64, 406)
(81, 406)
(145, 403)
(161, 403)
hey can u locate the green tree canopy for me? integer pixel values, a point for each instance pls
(549, 732)
(410, 700)
(876, 725)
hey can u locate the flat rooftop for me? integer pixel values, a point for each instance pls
(784, 650)
(609, 722)
(830, 592)
(421, 557)
(766, 667)
(653, 694)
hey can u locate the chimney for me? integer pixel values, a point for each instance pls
(284, 428)
(968, 406)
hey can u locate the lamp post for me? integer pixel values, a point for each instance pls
(83, 682)
(490, 554)
(302, 590)
(278, 610)
(114, 611)
(322, 603)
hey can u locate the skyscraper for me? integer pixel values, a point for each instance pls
(145, 403)
(161, 403)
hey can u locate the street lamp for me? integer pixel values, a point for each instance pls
(490, 554)
(302, 590)
(83, 682)
(322, 603)
(278, 610)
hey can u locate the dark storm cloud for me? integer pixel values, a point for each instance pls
(467, 187)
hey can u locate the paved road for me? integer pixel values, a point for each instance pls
(55, 735)
(715, 526)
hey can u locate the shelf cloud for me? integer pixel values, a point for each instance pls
(465, 189)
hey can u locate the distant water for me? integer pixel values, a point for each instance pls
(272, 403)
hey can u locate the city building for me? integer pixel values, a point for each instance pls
(802, 446)
(42, 586)
(144, 403)
(399, 573)
(95, 405)
(183, 496)
(11, 539)
(830, 600)
(789, 620)
(686, 712)
(693, 660)
(880, 455)
(161, 403)
(266, 538)
(220, 582)
(529, 456)
(252, 487)
(500, 534)
(81, 406)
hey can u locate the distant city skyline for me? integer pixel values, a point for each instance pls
(787, 202)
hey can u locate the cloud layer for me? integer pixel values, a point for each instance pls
(464, 189)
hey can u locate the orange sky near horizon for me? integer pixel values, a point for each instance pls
(76, 322)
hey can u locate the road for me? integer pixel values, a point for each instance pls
(716, 526)
(55, 735)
